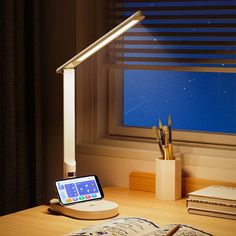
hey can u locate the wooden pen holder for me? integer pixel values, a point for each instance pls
(168, 179)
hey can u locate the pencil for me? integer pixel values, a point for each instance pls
(173, 230)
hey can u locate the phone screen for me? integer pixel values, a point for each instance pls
(79, 189)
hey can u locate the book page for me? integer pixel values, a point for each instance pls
(128, 226)
(132, 226)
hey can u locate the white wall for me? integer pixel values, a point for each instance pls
(113, 170)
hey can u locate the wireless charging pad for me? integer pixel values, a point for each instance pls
(91, 210)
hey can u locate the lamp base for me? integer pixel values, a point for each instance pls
(91, 210)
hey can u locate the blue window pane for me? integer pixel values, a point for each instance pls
(196, 101)
(180, 35)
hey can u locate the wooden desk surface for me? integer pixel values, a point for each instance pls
(37, 221)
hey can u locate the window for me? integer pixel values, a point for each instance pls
(179, 61)
(152, 94)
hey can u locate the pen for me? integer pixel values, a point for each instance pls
(173, 230)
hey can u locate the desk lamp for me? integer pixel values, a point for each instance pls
(98, 209)
(68, 70)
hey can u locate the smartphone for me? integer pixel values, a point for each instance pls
(78, 189)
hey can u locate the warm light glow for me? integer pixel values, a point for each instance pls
(106, 41)
(69, 120)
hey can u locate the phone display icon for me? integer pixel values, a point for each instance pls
(79, 189)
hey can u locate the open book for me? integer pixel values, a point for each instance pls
(132, 226)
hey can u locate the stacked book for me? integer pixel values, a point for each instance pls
(218, 201)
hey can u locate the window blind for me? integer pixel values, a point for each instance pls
(190, 35)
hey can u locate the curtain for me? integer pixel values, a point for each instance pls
(20, 106)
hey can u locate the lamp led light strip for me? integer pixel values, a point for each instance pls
(106, 41)
(103, 41)
(69, 88)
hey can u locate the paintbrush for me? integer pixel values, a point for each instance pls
(170, 129)
(170, 147)
(159, 141)
(161, 131)
(166, 145)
